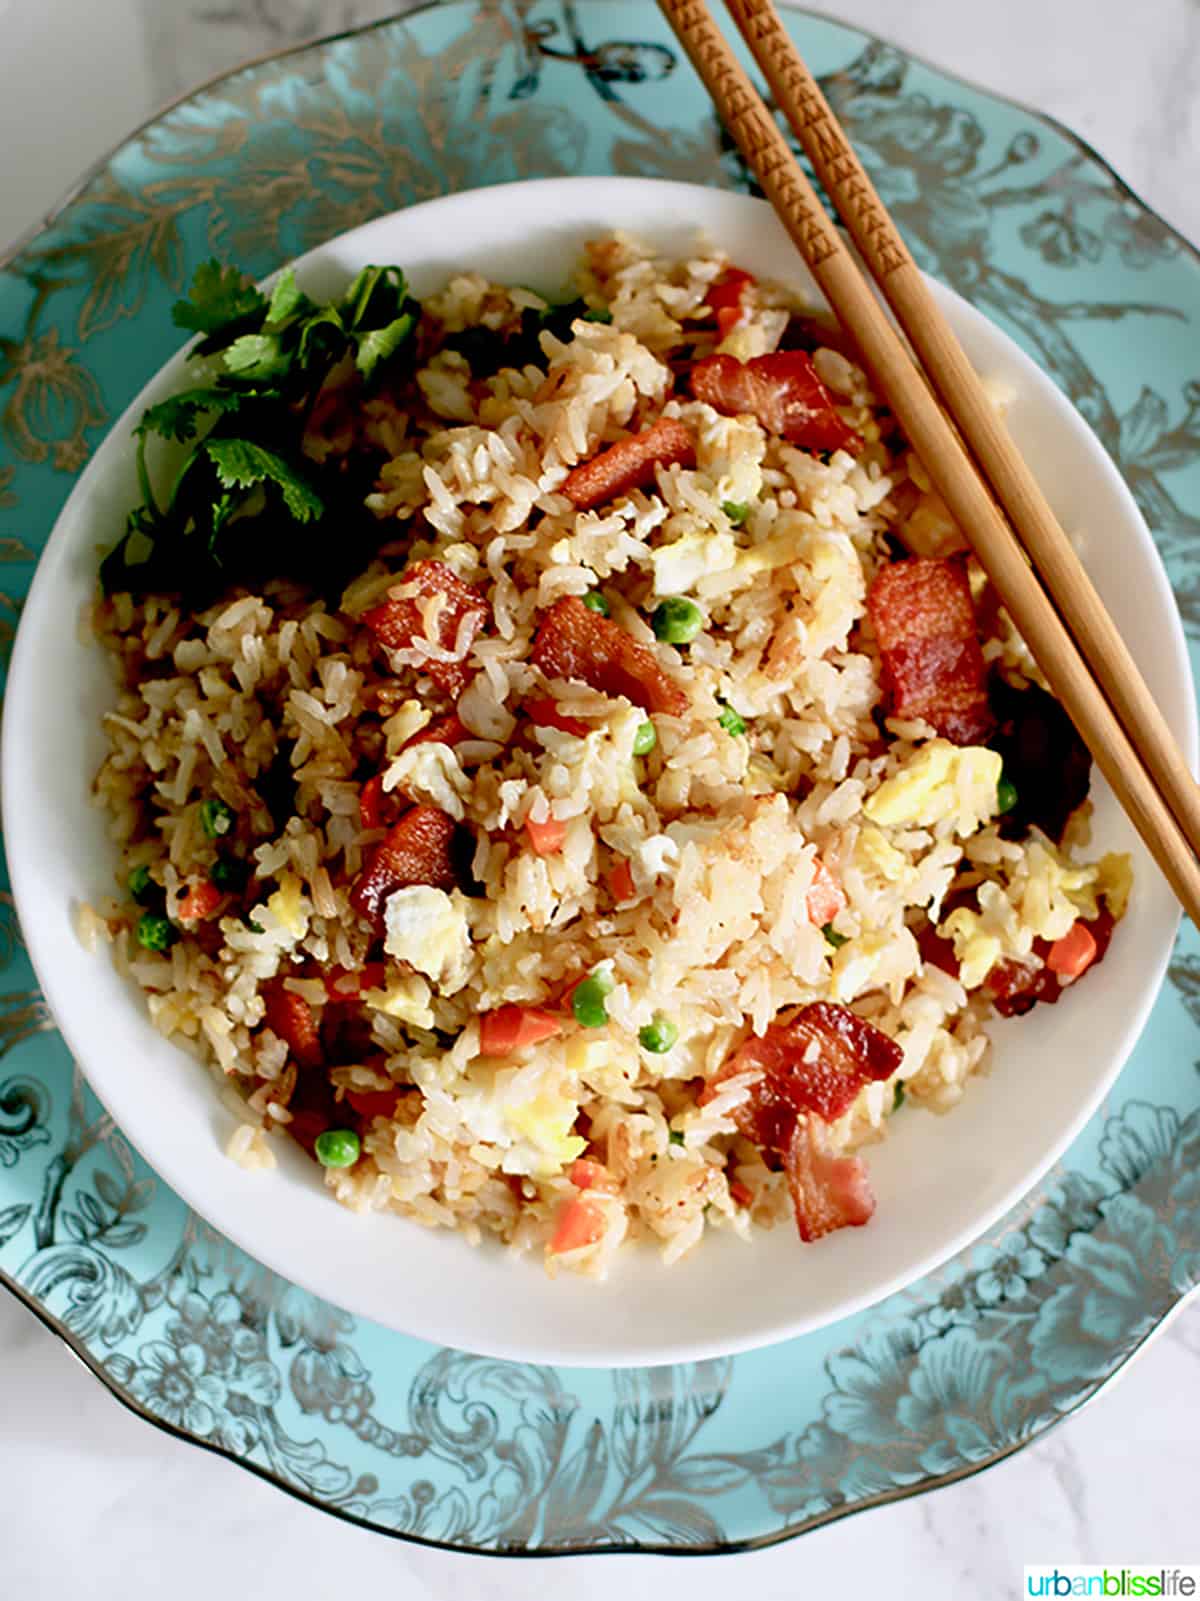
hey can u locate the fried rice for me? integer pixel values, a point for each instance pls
(685, 877)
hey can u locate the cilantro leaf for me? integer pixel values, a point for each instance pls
(385, 285)
(288, 301)
(241, 464)
(380, 343)
(219, 295)
(175, 417)
(258, 356)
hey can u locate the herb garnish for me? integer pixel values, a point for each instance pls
(246, 501)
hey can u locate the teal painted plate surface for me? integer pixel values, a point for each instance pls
(438, 1445)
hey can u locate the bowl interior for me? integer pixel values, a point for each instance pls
(939, 1183)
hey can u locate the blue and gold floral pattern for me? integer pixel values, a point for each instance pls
(440, 1445)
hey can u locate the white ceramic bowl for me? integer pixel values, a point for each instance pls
(939, 1181)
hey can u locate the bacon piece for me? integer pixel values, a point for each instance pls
(576, 642)
(1016, 987)
(828, 1192)
(289, 1016)
(629, 464)
(347, 983)
(370, 1104)
(416, 850)
(933, 667)
(1044, 759)
(813, 1068)
(546, 714)
(448, 730)
(456, 610)
(815, 1063)
(783, 391)
(726, 298)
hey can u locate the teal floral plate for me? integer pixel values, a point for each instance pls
(439, 1445)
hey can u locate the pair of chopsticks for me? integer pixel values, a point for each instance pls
(1077, 646)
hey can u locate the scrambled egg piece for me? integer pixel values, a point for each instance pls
(875, 855)
(406, 999)
(546, 1122)
(937, 783)
(289, 906)
(680, 565)
(428, 929)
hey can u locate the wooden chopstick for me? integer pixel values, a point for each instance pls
(932, 436)
(882, 248)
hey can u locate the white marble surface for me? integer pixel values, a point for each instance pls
(94, 1502)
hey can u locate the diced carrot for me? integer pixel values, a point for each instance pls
(726, 299)
(588, 1175)
(510, 1028)
(201, 900)
(826, 897)
(620, 880)
(371, 803)
(546, 838)
(1074, 953)
(578, 1223)
(373, 1103)
(545, 714)
(740, 1193)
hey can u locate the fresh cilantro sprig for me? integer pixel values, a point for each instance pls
(245, 495)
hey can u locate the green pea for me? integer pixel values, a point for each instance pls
(898, 1101)
(595, 601)
(736, 510)
(835, 939)
(140, 884)
(677, 621)
(217, 819)
(229, 873)
(732, 722)
(674, 1137)
(1006, 796)
(645, 739)
(338, 1147)
(658, 1036)
(155, 933)
(587, 1001)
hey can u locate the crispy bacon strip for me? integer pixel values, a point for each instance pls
(933, 667)
(783, 391)
(289, 1016)
(576, 642)
(455, 610)
(416, 850)
(828, 1192)
(629, 464)
(813, 1068)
